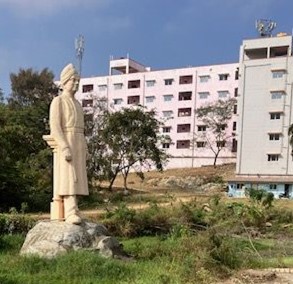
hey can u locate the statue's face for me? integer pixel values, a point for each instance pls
(72, 84)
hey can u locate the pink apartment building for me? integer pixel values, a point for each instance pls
(175, 94)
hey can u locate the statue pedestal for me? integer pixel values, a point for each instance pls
(57, 206)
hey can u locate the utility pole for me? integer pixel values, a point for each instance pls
(79, 49)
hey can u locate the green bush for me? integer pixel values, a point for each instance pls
(16, 223)
(260, 196)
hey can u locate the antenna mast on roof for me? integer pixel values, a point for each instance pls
(265, 27)
(79, 49)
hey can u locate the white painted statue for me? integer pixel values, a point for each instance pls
(67, 130)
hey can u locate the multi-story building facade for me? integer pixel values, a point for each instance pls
(265, 113)
(175, 95)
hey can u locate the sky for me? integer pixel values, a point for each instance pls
(162, 34)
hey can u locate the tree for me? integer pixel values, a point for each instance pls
(26, 161)
(215, 117)
(1, 97)
(127, 140)
(31, 87)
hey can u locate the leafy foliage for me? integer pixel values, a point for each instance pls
(25, 170)
(260, 196)
(126, 139)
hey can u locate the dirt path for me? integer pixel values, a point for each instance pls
(136, 206)
(266, 276)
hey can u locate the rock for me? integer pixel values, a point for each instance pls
(286, 226)
(50, 239)
(108, 247)
(269, 224)
(206, 207)
(188, 182)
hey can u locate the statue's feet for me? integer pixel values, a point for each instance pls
(73, 219)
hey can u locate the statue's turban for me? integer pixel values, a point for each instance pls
(67, 73)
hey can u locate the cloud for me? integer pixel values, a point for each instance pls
(32, 8)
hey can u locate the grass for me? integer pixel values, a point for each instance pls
(181, 243)
(86, 267)
(173, 258)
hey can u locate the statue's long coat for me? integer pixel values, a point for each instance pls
(67, 129)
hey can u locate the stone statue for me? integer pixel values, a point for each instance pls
(70, 150)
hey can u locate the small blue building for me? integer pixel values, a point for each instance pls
(281, 187)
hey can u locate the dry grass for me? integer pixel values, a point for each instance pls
(225, 171)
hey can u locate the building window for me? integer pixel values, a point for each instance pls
(236, 92)
(183, 128)
(239, 185)
(234, 145)
(203, 95)
(185, 79)
(201, 128)
(102, 88)
(118, 86)
(166, 129)
(275, 115)
(117, 101)
(166, 145)
(235, 109)
(88, 117)
(221, 127)
(237, 74)
(134, 84)
(273, 157)
(272, 186)
(150, 83)
(274, 136)
(168, 98)
(276, 95)
(223, 94)
(167, 113)
(204, 78)
(133, 100)
(185, 96)
(221, 143)
(278, 73)
(223, 77)
(183, 144)
(87, 88)
(168, 82)
(149, 99)
(200, 144)
(184, 112)
(234, 125)
(87, 102)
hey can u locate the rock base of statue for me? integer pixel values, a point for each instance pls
(49, 239)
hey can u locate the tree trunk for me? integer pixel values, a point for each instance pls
(125, 176)
(215, 159)
(113, 179)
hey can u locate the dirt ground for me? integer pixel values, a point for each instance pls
(225, 171)
(267, 276)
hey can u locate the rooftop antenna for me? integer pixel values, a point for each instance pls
(79, 49)
(265, 27)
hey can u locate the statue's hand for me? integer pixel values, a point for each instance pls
(67, 154)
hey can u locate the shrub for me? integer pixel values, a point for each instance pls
(260, 196)
(16, 223)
